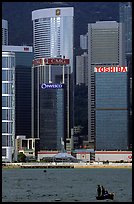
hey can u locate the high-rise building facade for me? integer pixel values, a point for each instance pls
(125, 17)
(4, 32)
(111, 96)
(106, 48)
(51, 103)
(84, 41)
(82, 69)
(53, 33)
(23, 68)
(8, 105)
(52, 116)
(52, 39)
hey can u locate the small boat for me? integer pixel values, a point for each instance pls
(105, 196)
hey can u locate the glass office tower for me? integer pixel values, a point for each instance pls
(111, 96)
(23, 72)
(51, 105)
(107, 92)
(53, 116)
(8, 105)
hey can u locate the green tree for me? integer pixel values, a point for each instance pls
(21, 157)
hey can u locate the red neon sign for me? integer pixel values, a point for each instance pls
(51, 61)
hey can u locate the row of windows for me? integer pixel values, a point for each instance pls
(7, 101)
(7, 88)
(7, 114)
(7, 75)
(6, 141)
(7, 127)
(8, 62)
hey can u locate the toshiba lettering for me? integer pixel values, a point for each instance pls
(110, 69)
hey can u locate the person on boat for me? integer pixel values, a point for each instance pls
(99, 190)
(106, 192)
(102, 190)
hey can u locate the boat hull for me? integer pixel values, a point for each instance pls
(107, 196)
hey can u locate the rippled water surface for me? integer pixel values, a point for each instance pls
(64, 185)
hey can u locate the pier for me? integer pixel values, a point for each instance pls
(65, 165)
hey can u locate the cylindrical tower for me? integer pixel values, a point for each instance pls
(53, 33)
(8, 103)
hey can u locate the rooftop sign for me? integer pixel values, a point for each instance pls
(50, 61)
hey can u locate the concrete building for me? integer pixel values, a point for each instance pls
(53, 40)
(8, 105)
(113, 156)
(84, 41)
(4, 32)
(29, 146)
(82, 69)
(105, 41)
(86, 155)
(125, 17)
(23, 68)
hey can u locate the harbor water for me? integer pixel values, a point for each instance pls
(65, 185)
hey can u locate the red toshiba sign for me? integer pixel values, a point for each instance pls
(110, 69)
(50, 61)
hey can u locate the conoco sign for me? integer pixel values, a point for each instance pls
(50, 61)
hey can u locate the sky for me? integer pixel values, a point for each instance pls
(20, 19)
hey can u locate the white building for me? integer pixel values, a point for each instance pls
(53, 33)
(8, 105)
(4, 32)
(84, 41)
(113, 156)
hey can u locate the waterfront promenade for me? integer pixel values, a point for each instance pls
(66, 165)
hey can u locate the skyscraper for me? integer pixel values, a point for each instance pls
(111, 110)
(8, 105)
(53, 41)
(84, 41)
(23, 67)
(125, 17)
(4, 32)
(106, 103)
(82, 69)
(53, 33)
